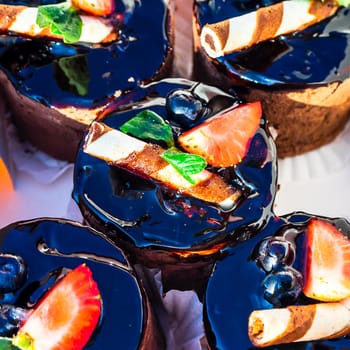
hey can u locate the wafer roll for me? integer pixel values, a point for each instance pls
(22, 20)
(144, 159)
(266, 23)
(298, 323)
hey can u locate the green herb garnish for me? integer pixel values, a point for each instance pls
(76, 69)
(6, 344)
(149, 125)
(62, 19)
(344, 3)
(186, 164)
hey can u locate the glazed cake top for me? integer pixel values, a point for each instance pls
(48, 247)
(316, 55)
(78, 75)
(149, 213)
(268, 272)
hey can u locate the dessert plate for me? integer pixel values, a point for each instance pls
(324, 161)
(316, 182)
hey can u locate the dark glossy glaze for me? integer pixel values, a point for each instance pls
(141, 211)
(319, 54)
(234, 290)
(69, 245)
(33, 65)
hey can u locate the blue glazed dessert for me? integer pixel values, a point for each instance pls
(48, 249)
(165, 220)
(300, 71)
(55, 89)
(274, 292)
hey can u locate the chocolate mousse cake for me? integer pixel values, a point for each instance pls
(64, 286)
(291, 55)
(58, 76)
(287, 288)
(176, 171)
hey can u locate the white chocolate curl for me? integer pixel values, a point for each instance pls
(117, 148)
(22, 20)
(298, 323)
(263, 24)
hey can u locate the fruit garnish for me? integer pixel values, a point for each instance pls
(65, 317)
(12, 273)
(224, 139)
(282, 286)
(184, 106)
(62, 19)
(95, 7)
(274, 251)
(6, 184)
(327, 263)
(145, 160)
(11, 318)
(149, 125)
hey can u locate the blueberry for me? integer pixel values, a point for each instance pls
(11, 318)
(184, 107)
(273, 252)
(12, 273)
(282, 286)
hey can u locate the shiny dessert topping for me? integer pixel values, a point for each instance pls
(265, 23)
(65, 317)
(149, 125)
(221, 141)
(303, 301)
(57, 22)
(146, 160)
(296, 59)
(129, 175)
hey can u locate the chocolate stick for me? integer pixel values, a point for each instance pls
(298, 323)
(117, 148)
(22, 20)
(263, 24)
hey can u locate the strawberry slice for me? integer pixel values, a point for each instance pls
(224, 139)
(95, 7)
(66, 316)
(327, 264)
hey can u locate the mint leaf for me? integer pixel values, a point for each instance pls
(6, 344)
(62, 19)
(76, 69)
(186, 164)
(344, 3)
(149, 125)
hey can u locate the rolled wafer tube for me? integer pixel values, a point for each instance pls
(117, 148)
(298, 323)
(22, 20)
(263, 24)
